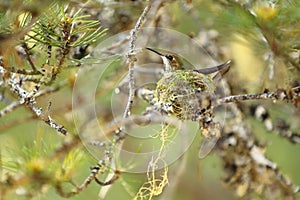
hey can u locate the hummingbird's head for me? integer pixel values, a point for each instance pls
(170, 61)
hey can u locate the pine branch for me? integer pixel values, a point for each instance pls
(14, 81)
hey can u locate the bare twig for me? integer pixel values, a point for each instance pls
(28, 57)
(288, 134)
(279, 94)
(93, 176)
(13, 105)
(85, 183)
(132, 59)
(110, 181)
(281, 127)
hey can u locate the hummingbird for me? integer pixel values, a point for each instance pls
(185, 93)
(188, 95)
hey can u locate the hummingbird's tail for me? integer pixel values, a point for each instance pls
(221, 69)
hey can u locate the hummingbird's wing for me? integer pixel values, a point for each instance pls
(221, 69)
(212, 134)
(207, 146)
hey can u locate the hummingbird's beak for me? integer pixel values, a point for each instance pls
(166, 62)
(155, 51)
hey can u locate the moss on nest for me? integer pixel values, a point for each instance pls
(182, 93)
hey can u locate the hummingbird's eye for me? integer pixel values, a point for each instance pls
(170, 57)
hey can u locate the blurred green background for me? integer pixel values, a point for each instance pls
(239, 37)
